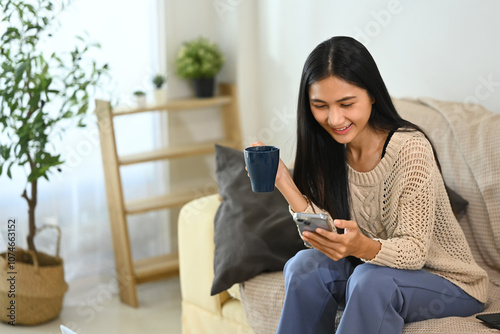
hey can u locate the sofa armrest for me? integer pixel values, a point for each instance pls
(196, 253)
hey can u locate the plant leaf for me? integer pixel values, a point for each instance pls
(20, 71)
(9, 174)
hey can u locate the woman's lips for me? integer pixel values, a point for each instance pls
(342, 131)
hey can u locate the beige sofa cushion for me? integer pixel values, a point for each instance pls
(262, 298)
(234, 291)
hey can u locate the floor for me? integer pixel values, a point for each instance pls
(92, 305)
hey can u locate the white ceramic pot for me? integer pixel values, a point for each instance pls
(140, 100)
(161, 96)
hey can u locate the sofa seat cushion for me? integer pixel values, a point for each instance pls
(232, 309)
(234, 291)
(262, 299)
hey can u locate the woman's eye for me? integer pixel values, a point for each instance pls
(319, 106)
(346, 105)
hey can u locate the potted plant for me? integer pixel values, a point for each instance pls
(140, 98)
(41, 96)
(160, 94)
(200, 60)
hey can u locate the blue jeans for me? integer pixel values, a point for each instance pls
(375, 299)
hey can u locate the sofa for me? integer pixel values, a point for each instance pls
(466, 138)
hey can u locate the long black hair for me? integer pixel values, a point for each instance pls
(320, 170)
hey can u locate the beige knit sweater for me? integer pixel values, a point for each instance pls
(403, 204)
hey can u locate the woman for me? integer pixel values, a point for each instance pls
(378, 176)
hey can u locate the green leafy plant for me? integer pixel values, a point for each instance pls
(159, 80)
(199, 58)
(139, 93)
(40, 95)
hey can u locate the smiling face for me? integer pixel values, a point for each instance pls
(342, 109)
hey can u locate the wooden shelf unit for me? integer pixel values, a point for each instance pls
(131, 273)
(175, 152)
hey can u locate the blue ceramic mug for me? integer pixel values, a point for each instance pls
(262, 165)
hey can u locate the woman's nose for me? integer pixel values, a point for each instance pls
(335, 118)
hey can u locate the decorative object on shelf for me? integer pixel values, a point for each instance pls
(204, 87)
(140, 98)
(41, 96)
(200, 60)
(161, 94)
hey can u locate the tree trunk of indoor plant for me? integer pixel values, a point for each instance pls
(31, 214)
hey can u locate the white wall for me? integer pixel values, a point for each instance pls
(187, 20)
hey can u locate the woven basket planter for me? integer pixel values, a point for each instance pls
(38, 285)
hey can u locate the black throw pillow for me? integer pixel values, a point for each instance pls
(458, 203)
(253, 232)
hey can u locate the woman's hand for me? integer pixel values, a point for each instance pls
(338, 246)
(288, 188)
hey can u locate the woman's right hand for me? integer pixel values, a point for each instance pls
(283, 174)
(284, 183)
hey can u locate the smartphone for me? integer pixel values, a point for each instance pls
(310, 222)
(491, 319)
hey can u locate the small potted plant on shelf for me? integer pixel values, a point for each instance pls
(200, 60)
(140, 98)
(41, 96)
(160, 92)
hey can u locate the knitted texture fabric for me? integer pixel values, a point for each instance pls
(403, 204)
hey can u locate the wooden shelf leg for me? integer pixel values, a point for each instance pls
(117, 216)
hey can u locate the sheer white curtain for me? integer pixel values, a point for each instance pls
(75, 199)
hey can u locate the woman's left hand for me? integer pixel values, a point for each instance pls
(338, 246)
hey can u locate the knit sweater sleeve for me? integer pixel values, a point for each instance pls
(412, 197)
